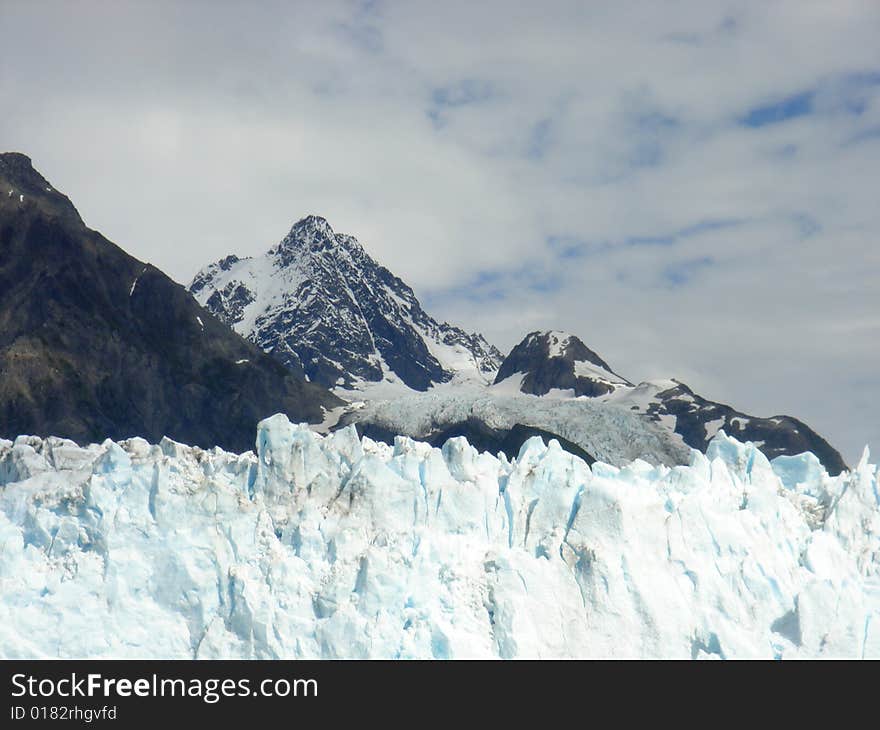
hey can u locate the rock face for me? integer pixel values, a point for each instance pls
(548, 361)
(323, 307)
(96, 344)
(558, 361)
(484, 438)
(697, 420)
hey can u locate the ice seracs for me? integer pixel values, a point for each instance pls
(342, 547)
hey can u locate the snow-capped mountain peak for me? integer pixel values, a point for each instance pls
(321, 304)
(312, 225)
(312, 233)
(554, 360)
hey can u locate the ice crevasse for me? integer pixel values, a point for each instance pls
(341, 547)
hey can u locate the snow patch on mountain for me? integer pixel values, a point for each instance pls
(558, 342)
(340, 547)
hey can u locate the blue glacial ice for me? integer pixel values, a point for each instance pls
(340, 547)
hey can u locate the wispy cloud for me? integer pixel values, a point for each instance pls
(362, 27)
(462, 93)
(540, 137)
(806, 225)
(870, 134)
(681, 272)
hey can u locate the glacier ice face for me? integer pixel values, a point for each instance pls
(340, 547)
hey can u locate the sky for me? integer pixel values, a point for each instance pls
(690, 187)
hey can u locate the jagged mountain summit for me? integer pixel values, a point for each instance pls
(558, 361)
(96, 344)
(322, 306)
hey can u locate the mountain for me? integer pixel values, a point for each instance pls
(96, 344)
(324, 308)
(558, 361)
(697, 420)
(339, 547)
(547, 361)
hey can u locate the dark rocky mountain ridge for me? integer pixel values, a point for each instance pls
(96, 344)
(775, 436)
(481, 436)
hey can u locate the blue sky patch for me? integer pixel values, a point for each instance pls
(782, 110)
(846, 93)
(708, 226)
(681, 273)
(568, 247)
(649, 241)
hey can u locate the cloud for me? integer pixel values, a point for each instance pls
(681, 272)
(459, 94)
(690, 187)
(865, 135)
(540, 137)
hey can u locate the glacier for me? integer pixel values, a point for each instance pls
(338, 547)
(609, 432)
